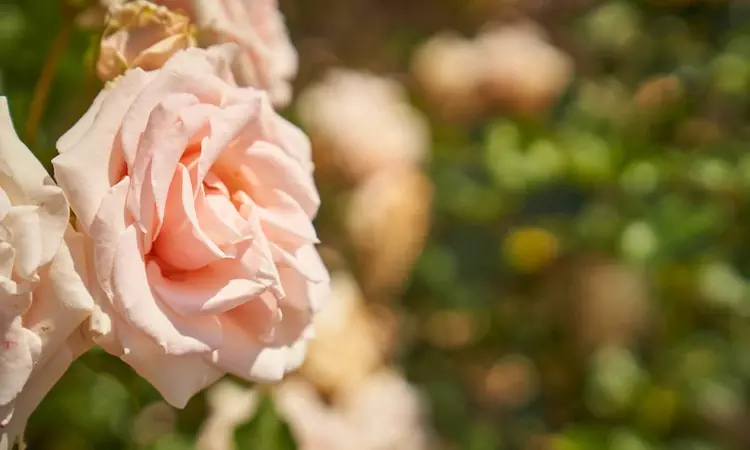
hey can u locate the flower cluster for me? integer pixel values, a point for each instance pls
(192, 253)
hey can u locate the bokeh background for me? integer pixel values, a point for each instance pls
(556, 256)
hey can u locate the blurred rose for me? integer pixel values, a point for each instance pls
(230, 405)
(196, 199)
(314, 424)
(614, 303)
(522, 70)
(658, 93)
(511, 382)
(348, 343)
(388, 413)
(363, 123)
(267, 59)
(43, 300)
(141, 34)
(448, 68)
(382, 413)
(387, 220)
(604, 302)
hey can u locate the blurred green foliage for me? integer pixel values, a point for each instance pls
(655, 183)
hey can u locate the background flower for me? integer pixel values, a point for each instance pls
(363, 123)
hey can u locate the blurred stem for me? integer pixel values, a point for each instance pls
(22, 442)
(44, 84)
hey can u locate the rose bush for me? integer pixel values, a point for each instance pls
(196, 200)
(43, 300)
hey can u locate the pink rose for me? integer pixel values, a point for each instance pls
(267, 59)
(43, 300)
(196, 200)
(141, 34)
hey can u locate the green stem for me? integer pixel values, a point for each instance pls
(44, 84)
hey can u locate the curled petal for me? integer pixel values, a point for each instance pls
(176, 334)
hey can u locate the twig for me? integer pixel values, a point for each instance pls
(44, 84)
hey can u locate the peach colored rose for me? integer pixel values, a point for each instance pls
(364, 122)
(43, 300)
(141, 34)
(267, 60)
(196, 199)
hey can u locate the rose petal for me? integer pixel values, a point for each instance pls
(166, 136)
(273, 170)
(19, 352)
(61, 303)
(85, 169)
(175, 333)
(107, 227)
(244, 356)
(211, 290)
(177, 378)
(183, 244)
(218, 217)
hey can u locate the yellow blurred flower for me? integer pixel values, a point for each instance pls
(529, 250)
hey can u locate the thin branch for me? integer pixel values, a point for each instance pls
(44, 84)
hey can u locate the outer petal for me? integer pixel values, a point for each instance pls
(61, 302)
(87, 169)
(243, 355)
(18, 354)
(177, 378)
(25, 181)
(37, 387)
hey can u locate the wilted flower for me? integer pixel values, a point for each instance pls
(141, 34)
(387, 220)
(363, 123)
